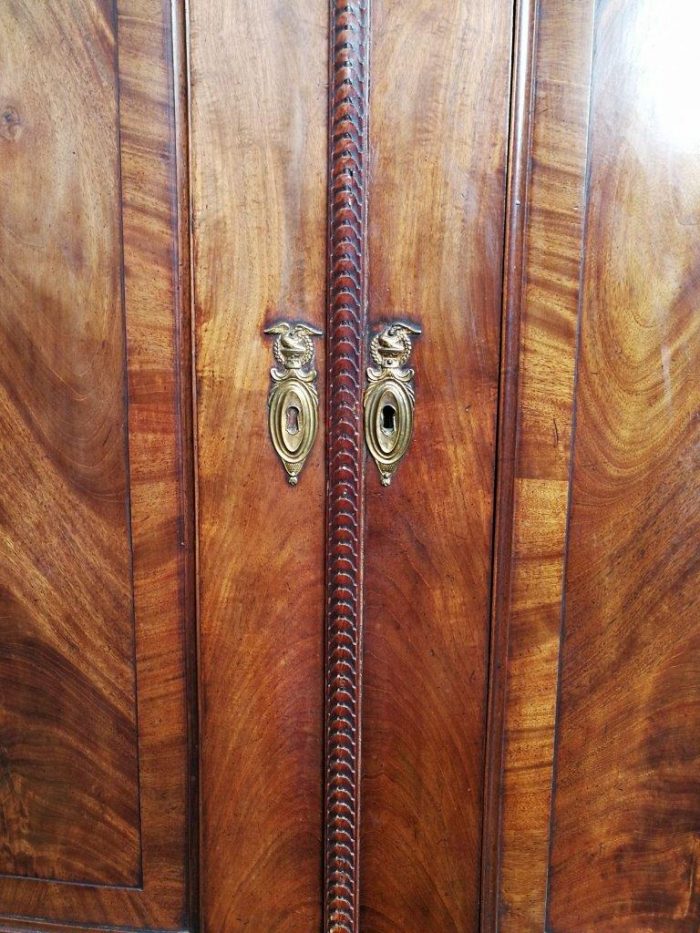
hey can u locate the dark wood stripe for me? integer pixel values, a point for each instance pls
(184, 302)
(346, 316)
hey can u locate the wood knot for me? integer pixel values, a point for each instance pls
(10, 123)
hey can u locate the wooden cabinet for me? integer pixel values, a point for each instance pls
(350, 508)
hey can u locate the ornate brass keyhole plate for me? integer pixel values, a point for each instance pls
(390, 398)
(293, 399)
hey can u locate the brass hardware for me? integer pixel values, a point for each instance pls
(390, 398)
(293, 400)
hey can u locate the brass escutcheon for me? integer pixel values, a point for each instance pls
(293, 399)
(390, 398)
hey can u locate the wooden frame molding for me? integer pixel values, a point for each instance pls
(543, 264)
(519, 143)
(346, 316)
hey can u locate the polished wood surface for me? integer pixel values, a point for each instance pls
(436, 215)
(67, 604)
(626, 812)
(543, 272)
(610, 259)
(259, 153)
(513, 622)
(93, 604)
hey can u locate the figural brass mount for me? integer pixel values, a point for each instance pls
(293, 399)
(390, 398)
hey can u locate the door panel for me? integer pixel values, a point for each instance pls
(627, 753)
(436, 198)
(423, 220)
(93, 581)
(259, 154)
(71, 785)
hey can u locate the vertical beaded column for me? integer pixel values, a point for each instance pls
(346, 320)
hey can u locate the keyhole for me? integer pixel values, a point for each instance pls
(388, 419)
(293, 419)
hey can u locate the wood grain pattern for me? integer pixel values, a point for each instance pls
(347, 298)
(436, 194)
(542, 296)
(67, 605)
(94, 673)
(518, 173)
(259, 76)
(627, 751)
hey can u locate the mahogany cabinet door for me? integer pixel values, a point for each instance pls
(348, 173)
(596, 799)
(95, 496)
(258, 157)
(438, 130)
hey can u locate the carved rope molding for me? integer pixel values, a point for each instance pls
(346, 317)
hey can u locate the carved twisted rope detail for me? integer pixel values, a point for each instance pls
(348, 116)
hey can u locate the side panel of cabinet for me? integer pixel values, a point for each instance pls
(438, 128)
(94, 508)
(259, 74)
(598, 626)
(627, 748)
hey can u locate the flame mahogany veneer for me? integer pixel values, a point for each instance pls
(467, 700)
